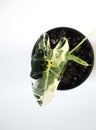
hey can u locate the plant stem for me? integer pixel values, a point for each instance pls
(81, 42)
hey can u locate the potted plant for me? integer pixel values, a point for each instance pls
(62, 59)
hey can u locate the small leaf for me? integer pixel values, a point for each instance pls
(77, 59)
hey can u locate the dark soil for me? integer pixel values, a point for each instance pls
(75, 74)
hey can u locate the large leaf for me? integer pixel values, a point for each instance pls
(47, 67)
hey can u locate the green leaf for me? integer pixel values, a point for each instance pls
(77, 59)
(47, 66)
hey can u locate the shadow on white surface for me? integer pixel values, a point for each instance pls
(93, 43)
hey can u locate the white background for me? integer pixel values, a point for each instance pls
(21, 23)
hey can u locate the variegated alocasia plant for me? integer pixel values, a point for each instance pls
(48, 65)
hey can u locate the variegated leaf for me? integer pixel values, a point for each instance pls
(47, 66)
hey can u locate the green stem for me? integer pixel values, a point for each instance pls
(81, 42)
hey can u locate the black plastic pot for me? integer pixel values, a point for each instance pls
(75, 74)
